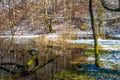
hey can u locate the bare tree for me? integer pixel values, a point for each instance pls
(95, 35)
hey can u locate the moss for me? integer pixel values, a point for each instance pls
(91, 52)
(79, 45)
(71, 75)
(9, 78)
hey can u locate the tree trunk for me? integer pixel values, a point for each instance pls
(95, 35)
(101, 21)
(64, 8)
(55, 10)
(119, 3)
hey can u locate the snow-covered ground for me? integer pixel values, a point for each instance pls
(106, 44)
(91, 41)
(108, 60)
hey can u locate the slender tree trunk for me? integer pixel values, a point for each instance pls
(55, 10)
(101, 20)
(45, 14)
(56, 2)
(95, 35)
(70, 15)
(48, 22)
(119, 3)
(64, 4)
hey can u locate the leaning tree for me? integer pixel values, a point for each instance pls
(95, 35)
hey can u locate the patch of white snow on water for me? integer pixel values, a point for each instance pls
(106, 44)
(91, 41)
(21, 39)
(20, 36)
(92, 59)
(52, 36)
(110, 48)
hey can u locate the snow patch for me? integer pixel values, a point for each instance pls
(20, 36)
(105, 44)
(52, 36)
(108, 60)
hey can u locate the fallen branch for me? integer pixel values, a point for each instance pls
(24, 72)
